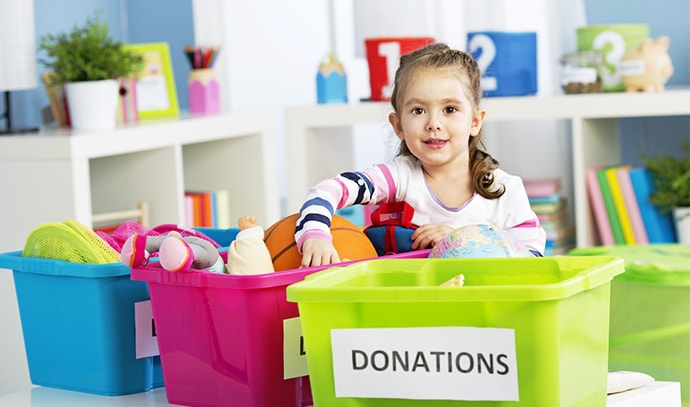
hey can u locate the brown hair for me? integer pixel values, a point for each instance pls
(439, 55)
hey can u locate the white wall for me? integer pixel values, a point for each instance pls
(270, 53)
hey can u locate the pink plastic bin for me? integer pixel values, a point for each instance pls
(221, 336)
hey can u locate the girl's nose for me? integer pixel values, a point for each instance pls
(433, 125)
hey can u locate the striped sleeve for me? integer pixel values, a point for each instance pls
(346, 189)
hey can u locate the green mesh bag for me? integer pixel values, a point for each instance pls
(69, 241)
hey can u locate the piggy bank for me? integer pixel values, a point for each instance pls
(647, 67)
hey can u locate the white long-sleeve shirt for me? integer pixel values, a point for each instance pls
(403, 180)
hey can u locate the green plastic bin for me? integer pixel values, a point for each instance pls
(417, 343)
(650, 311)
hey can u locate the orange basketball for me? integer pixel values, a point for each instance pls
(349, 240)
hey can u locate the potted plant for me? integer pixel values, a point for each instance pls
(86, 61)
(671, 176)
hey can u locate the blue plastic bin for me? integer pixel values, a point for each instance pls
(79, 325)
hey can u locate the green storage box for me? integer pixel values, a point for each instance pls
(650, 311)
(520, 332)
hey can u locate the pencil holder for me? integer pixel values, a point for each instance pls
(331, 82)
(204, 93)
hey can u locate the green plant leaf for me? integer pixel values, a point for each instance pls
(671, 176)
(87, 53)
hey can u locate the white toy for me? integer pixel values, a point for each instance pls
(647, 67)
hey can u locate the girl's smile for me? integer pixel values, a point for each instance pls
(435, 143)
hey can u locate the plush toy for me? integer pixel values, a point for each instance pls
(647, 67)
(175, 252)
(248, 254)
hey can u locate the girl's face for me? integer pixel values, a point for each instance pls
(436, 119)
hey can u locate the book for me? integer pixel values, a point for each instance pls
(212, 220)
(633, 208)
(611, 213)
(542, 187)
(562, 244)
(598, 209)
(619, 205)
(563, 233)
(188, 210)
(553, 221)
(546, 199)
(549, 208)
(660, 228)
(223, 220)
(207, 209)
(199, 208)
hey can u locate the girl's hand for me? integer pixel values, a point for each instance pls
(318, 252)
(426, 236)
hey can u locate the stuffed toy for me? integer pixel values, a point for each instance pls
(391, 228)
(248, 254)
(177, 252)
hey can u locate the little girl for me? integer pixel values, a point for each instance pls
(442, 169)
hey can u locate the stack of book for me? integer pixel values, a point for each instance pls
(619, 198)
(551, 207)
(207, 209)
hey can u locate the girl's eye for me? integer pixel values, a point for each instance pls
(451, 109)
(417, 110)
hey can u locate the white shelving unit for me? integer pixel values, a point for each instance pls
(59, 174)
(314, 130)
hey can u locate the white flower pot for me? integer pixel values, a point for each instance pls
(682, 218)
(92, 105)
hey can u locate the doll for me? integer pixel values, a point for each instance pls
(248, 254)
(177, 252)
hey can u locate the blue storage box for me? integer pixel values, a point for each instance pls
(223, 237)
(508, 61)
(78, 322)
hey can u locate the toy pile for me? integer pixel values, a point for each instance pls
(176, 248)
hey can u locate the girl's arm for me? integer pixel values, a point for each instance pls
(346, 189)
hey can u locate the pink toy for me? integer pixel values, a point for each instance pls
(647, 67)
(174, 251)
(246, 255)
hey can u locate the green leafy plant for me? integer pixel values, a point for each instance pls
(87, 53)
(671, 176)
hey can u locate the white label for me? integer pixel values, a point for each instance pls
(145, 330)
(632, 67)
(578, 75)
(294, 355)
(437, 363)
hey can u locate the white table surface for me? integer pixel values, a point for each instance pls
(666, 394)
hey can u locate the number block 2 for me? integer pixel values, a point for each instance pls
(508, 61)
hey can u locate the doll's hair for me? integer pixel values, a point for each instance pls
(439, 55)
